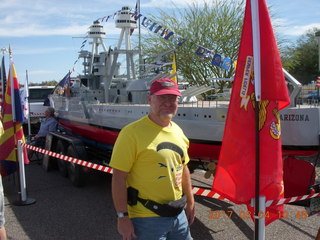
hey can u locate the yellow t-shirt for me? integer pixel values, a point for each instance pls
(154, 157)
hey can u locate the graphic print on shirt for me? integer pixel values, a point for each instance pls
(175, 168)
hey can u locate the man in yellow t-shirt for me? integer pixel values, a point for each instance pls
(150, 156)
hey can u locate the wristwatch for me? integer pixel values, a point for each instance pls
(122, 214)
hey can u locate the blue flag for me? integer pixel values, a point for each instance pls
(216, 60)
(226, 63)
(65, 82)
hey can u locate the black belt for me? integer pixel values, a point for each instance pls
(170, 209)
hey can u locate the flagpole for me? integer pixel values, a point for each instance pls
(27, 96)
(259, 233)
(14, 119)
(140, 56)
(176, 62)
(23, 198)
(2, 78)
(256, 48)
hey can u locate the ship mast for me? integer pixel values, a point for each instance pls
(127, 23)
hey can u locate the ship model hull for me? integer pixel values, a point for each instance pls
(204, 126)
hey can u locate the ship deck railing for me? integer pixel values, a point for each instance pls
(300, 103)
(305, 102)
(197, 104)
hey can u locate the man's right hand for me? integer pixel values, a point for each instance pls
(125, 228)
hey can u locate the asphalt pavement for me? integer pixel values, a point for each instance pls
(62, 211)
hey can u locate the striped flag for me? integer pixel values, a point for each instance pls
(12, 125)
(318, 82)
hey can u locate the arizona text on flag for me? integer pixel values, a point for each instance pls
(12, 125)
(235, 176)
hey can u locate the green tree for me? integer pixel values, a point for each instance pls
(301, 58)
(45, 83)
(216, 26)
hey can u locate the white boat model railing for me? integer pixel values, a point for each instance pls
(294, 87)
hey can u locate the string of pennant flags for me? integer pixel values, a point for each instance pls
(106, 18)
(75, 62)
(217, 59)
(154, 27)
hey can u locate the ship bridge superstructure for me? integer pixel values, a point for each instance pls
(101, 66)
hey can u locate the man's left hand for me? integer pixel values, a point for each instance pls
(190, 212)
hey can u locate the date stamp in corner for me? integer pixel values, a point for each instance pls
(221, 214)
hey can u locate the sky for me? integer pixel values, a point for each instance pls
(46, 35)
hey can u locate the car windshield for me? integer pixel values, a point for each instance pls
(36, 95)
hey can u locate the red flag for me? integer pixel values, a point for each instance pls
(235, 176)
(12, 125)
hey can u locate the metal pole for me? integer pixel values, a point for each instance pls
(24, 200)
(256, 48)
(140, 54)
(261, 233)
(23, 191)
(27, 96)
(259, 223)
(317, 34)
(319, 51)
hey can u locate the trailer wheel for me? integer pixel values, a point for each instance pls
(75, 171)
(62, 165)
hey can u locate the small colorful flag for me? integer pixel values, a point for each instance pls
(226, 64)
(174, 68)
(25, 98)
(65, 82)
(200, 51)
(318, 82)
(216, 60)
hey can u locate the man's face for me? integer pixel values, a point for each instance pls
(164, 106)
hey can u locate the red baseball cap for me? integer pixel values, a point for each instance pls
(164, 86)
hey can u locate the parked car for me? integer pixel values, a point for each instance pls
(313, 96)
